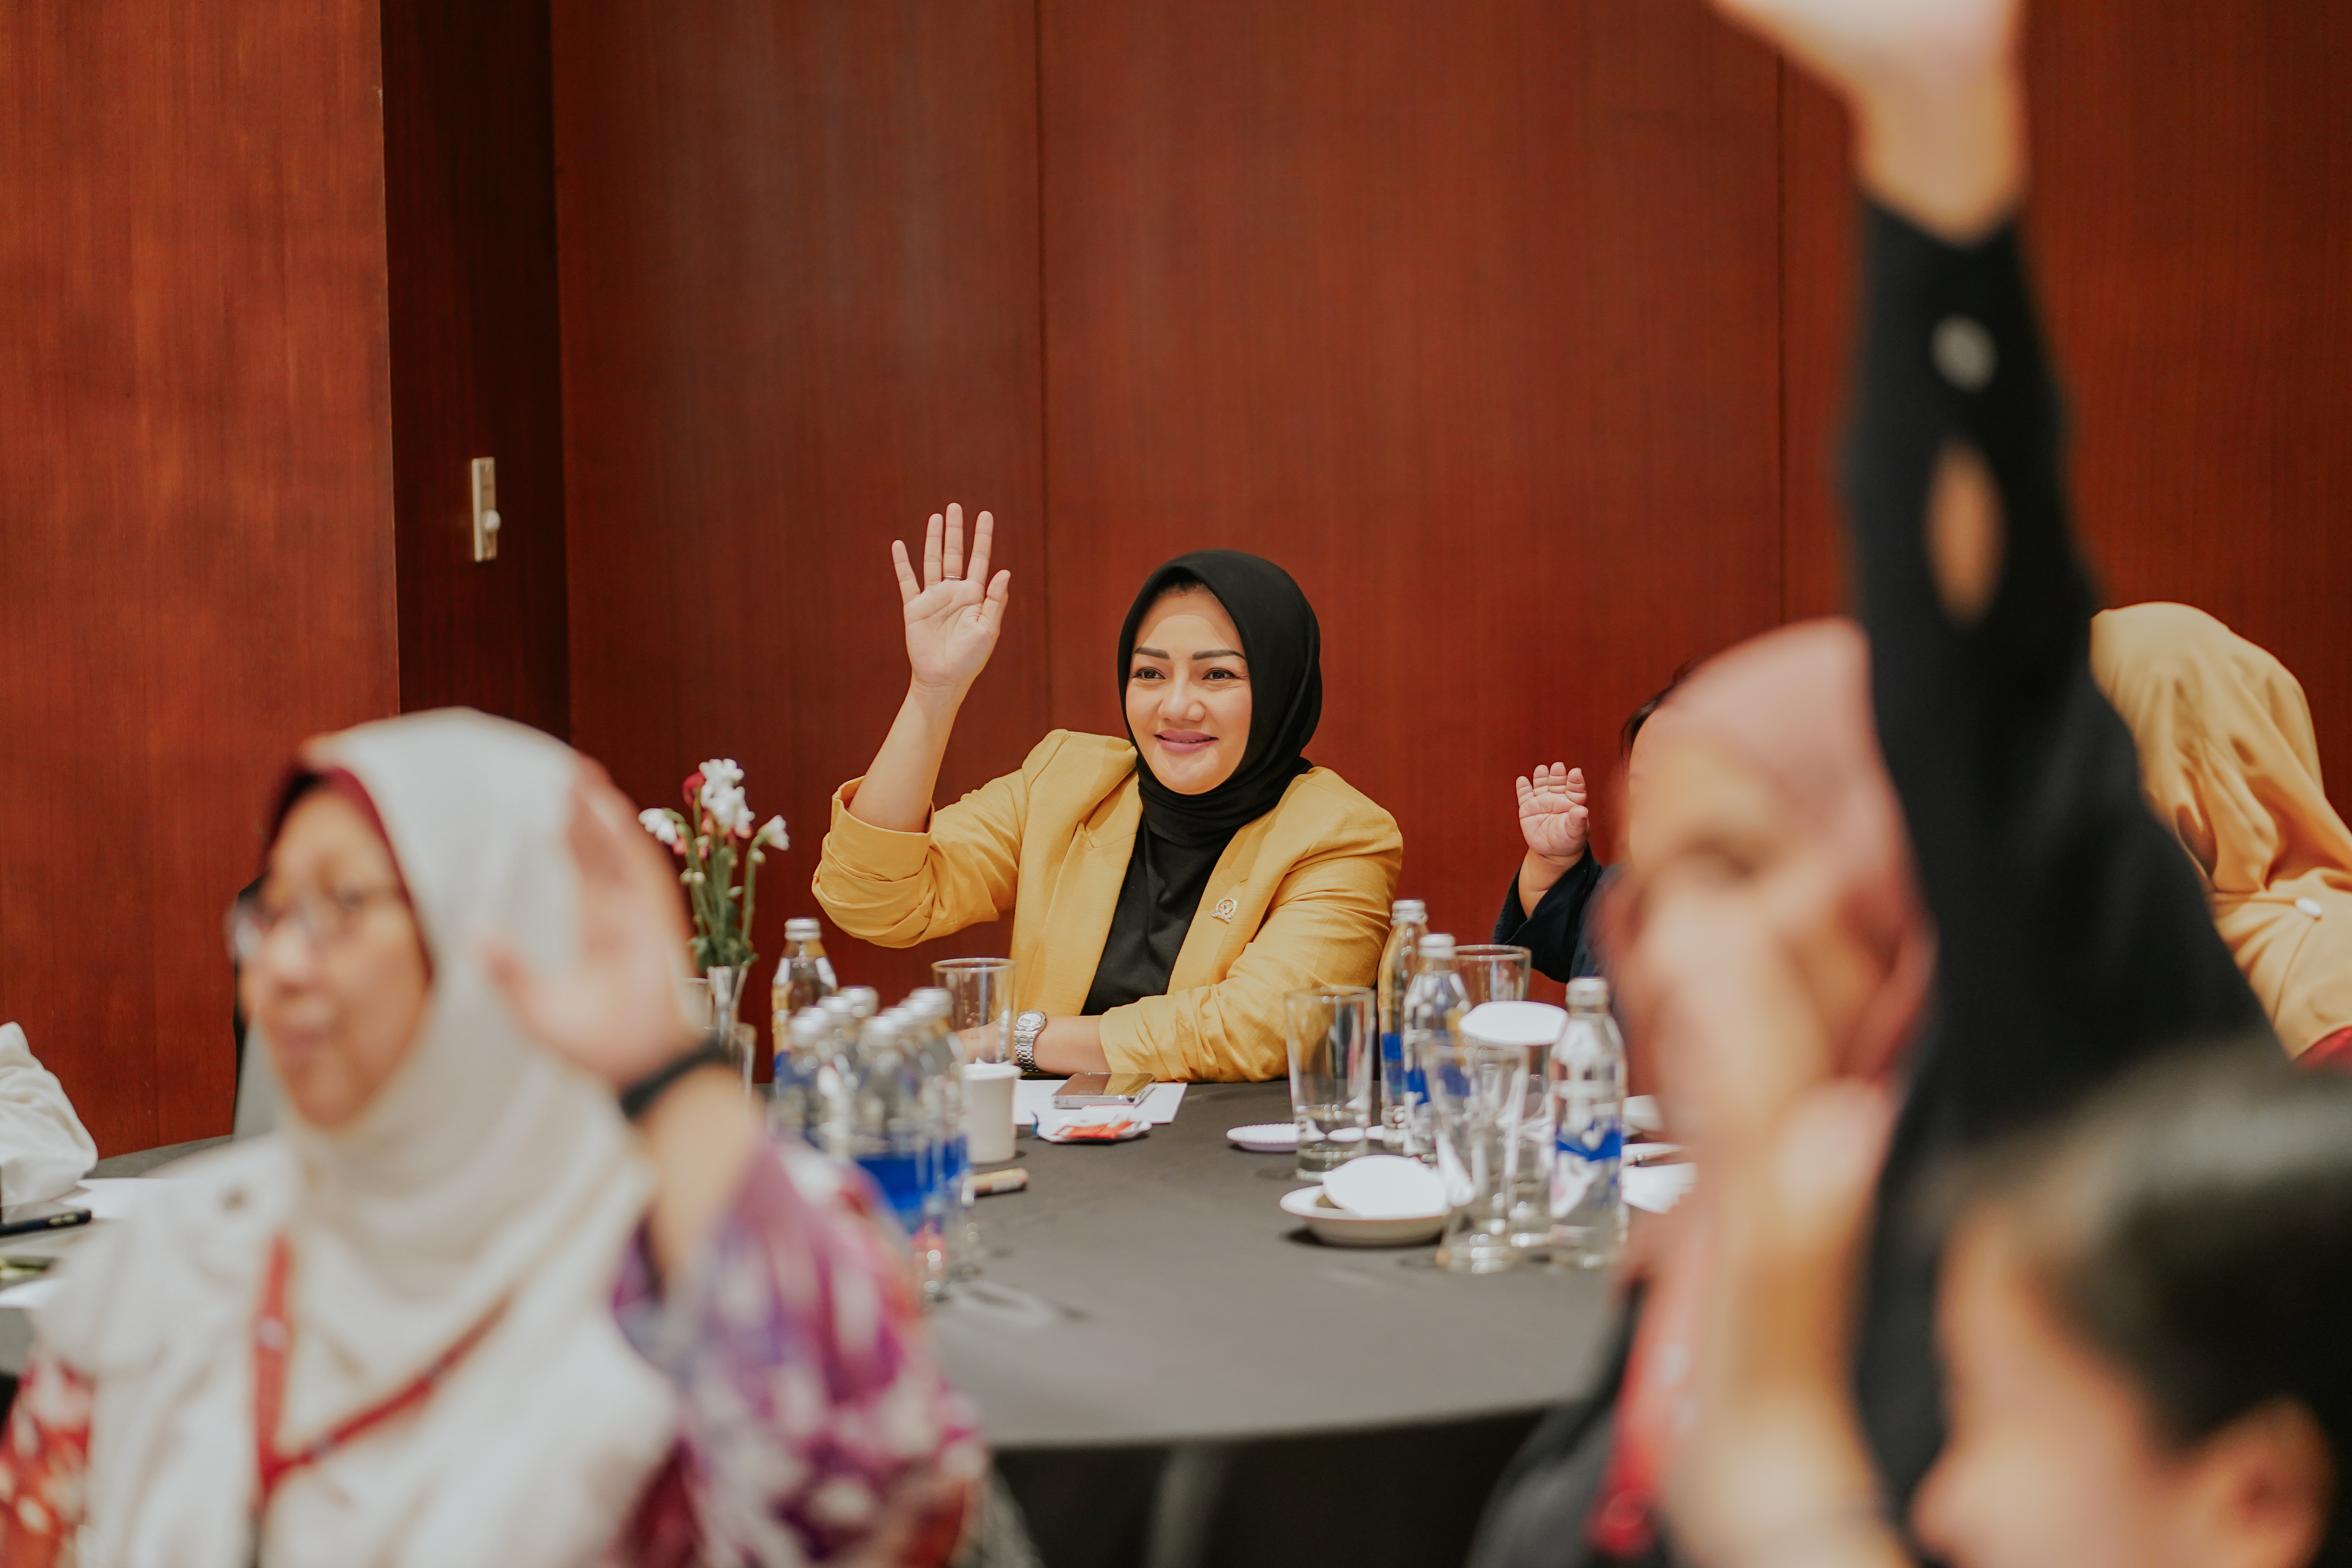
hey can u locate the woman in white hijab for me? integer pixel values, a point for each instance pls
(456, 1313)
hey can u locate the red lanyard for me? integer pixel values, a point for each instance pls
(273, 1338)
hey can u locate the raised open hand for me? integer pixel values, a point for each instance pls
(952, 615)
(1863, 48)
(615, 1011)
(1938, 106)
(1552, 813)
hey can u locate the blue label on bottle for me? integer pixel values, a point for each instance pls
(1610, 1146)
(1393, 1055)
(901, 1177)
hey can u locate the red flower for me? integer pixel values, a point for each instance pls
(693, 788)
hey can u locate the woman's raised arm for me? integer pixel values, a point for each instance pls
(953, 617)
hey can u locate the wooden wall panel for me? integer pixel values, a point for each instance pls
(477, 355)
(1467, 314)
(2191, 221)
(195, 550)
(799, 248)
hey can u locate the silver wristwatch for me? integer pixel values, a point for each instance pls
(1026, 1026)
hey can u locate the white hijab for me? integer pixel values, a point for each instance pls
(483, 1172)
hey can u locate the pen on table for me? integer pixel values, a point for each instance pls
(63, 1221)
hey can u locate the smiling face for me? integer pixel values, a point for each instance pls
(340, 1007)
(1188, 692)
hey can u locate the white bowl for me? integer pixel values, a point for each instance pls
(1338, 1227)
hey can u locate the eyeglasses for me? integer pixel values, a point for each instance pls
(325, 918)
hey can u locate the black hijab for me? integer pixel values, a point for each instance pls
(1181, 837)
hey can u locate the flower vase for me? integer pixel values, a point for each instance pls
(728, 983)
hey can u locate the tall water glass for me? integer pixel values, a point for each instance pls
(1334, 1032)
(1476, 1090)
(1498, 972)
(980, 1006)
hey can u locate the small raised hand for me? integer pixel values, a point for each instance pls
(1553, 815)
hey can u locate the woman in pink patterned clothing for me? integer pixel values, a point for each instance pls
(456, 1311)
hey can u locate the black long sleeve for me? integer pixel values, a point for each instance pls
(2074, 940)
(1553, 933)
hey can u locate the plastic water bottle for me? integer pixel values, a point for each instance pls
(1434, 1004)
(935, 1007)
(929, 1234)
(838, 1074)
(798, 1097)
(1587, 1083)
(886, 1120)
(803, 979)
(1408, 924)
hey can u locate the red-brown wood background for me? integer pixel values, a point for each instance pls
(1514, 328)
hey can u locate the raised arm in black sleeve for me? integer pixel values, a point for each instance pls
(1554, 933)
(2073, 936)
(2074, 940)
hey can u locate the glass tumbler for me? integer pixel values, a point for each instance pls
(1475, 1092)
(980, 1006)
(1492, 971)
(1334, 1031)
(1498, 972)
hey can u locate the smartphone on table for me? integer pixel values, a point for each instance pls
(1086, 1089)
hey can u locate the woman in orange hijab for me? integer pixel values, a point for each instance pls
(2229, 763)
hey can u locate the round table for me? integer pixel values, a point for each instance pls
(1154, 1292)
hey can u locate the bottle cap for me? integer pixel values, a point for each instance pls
(1408, 909)
(931, 999)
(864, 1000)
(804, 928)
(1591, 993)
(809, 1025)
(1437, 945)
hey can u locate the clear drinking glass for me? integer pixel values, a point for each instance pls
(1475, 1092)
(1498, 972)
(1492, 971)
(980, 1006)
(1334, 1031)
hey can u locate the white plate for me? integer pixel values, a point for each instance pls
(1385, 1186)
(1338, 1227)
(1265, 1137)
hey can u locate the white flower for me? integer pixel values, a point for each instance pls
(722, 797)
(773, 832)
(657, 822)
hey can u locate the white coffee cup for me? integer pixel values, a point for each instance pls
(988, 1110)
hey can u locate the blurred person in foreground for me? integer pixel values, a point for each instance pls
(2228, 762)
(45, 1151)
(457, 1309)
(2072, 942)
(1168, 887)
(2140, 1325)
(1761, 773)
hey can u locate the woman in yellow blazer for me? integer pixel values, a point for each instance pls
(1167, 889)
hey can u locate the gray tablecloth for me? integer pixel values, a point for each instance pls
(1154, 1292)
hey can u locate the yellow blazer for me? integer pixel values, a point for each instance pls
(1299, 898)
